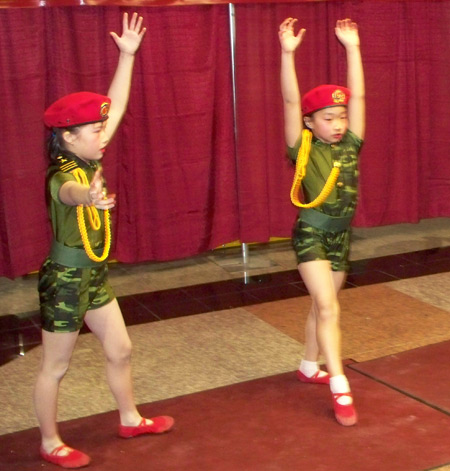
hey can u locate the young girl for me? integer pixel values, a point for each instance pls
(73, 285)
(335, 116)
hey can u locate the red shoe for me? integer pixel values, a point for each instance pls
(345, 413)
(73, 459)
(160, 424)
(315, 378)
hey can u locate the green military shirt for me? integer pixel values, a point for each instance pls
(342, 199)
(64, 217)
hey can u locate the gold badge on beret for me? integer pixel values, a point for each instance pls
(338, 96)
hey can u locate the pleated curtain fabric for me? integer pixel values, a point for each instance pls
(188, 177)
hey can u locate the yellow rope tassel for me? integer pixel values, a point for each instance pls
(300, 172)
(94, 220)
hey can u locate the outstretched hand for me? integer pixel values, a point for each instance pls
(288, 40)
(347, 32)
(97, 195)
(132, 34)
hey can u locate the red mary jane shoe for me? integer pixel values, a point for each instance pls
(160, 424)
(315, 378)
(73, 458)
(345, 413)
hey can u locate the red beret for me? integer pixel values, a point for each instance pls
(77, 108)
(323, 97)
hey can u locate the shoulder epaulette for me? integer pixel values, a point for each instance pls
(65, 164)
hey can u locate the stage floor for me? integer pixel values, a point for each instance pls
(220, 356)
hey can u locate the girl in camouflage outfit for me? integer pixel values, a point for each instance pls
(336, 117)
(73, 283)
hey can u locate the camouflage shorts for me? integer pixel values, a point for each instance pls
(65, 294)
(312, 244)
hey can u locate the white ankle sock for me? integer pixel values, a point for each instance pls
(339, 385)
(310, 368)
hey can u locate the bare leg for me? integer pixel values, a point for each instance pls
(312, 350)
(322, 325)
(57, 350)
(108, 325)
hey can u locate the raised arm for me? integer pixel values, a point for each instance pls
(347, 33)
(293, 123)
(119, 90)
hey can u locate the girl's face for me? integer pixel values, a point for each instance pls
(328, 124)
(88, 142)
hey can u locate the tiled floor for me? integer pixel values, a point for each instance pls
(210, 321)
(219, 280)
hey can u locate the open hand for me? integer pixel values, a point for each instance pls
(347, 32)
(97, 193)
(288, 40)
(132, 34)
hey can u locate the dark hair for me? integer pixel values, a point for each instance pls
(55, 143)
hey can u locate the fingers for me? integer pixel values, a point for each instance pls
(96, 187)
(287, 28)
(135, 23)
(288, 24)
(125, 22)
(101, 201)
(301, 33)
(97, 193)
(138, 26)
(346, 24)
(96, 196)
(132, 24)
(97, 179)
(98, 174)
(107, 202)
(114, 36)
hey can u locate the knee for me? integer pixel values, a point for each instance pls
(121, 354)
(327, 311)
(55, 370)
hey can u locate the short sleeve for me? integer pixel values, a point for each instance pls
(354, 139)
(292, 152)
(57, 181)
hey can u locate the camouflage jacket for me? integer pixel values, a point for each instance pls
(343, 198)
(64, 217)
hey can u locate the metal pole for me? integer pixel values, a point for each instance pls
(232, 21)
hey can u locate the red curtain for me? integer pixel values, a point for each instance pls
(172, 163)
(184, 185)
(404, 170)
(24, 229)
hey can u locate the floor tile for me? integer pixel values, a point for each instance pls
(170, 358)
(135, 312)
(431, 289)
(375, 321)
(413, 373)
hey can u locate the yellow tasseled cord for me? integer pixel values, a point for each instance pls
(300, 172)
(94, 220)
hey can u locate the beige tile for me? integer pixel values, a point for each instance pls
(19, 295)
(431, 289)
(400, 238)
(375, 321)
(171, 358)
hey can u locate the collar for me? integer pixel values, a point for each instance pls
(318, 142)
